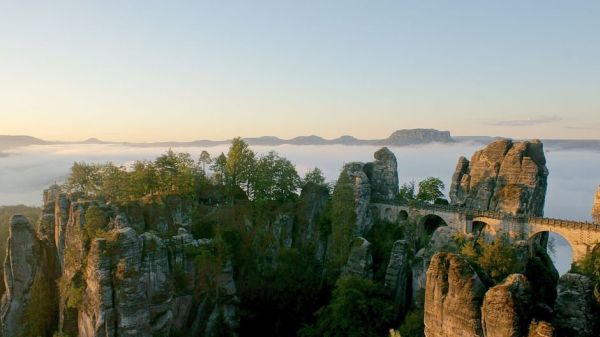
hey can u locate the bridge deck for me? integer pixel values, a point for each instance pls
(584, 225)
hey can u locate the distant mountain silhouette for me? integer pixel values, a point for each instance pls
(398, 138)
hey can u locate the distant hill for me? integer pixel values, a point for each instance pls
(405, 137)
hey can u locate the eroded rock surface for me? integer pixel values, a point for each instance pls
(383, 173)
(360, 260)
(396, 276)
(505, 176)
(505, 311)
(596, 207)
(453, 298)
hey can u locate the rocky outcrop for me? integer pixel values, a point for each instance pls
(397, 275)
(417, 136)
(505, 176)
(383, 174)
(541, 329)
(505, 311)
(573, 307)
(453, 298)
(20, 267)
(360, 260)
(361, 187)
(596, 207)
(441, 241)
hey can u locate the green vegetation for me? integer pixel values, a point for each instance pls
(40, 311)
(358, 308)
(498, 258)
(590, 266)
(343, 221)
(430, 190)
(95, 222)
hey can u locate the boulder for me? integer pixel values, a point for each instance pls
(505, 176)
(453, 297)
(361, 186)
(505, 311)
(541, 329)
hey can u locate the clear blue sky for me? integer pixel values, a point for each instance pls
(158, 70)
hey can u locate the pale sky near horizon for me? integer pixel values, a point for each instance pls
(156, 70)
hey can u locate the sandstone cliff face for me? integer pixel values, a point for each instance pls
(383, 173)
(574, 306)
(20, 267)
(377, 180)
(131, 282)
(505, 311)
(453, 298)
(360, 260)
(596, 207)
(505, 176)
(397, 273)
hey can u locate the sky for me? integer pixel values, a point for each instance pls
(157, 70)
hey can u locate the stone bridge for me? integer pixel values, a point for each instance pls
(582, 236)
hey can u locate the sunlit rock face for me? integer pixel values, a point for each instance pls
(505, 176)
(453, 298)
(20, 267)
(505, 308)
(383, 173)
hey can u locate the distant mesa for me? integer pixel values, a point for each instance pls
(417, 136)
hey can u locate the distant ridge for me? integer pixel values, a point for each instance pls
(404, 137)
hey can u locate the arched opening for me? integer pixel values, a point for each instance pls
(403, 215)
(556, 246)
(432, 222)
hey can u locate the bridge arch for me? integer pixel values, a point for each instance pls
(558, 247)
(430, 222)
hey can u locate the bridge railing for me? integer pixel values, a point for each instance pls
(521, 218)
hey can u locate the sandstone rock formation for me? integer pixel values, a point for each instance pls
(573, 307)
(396, 276)
(505, 176)
(377, 180)
(541, 329)
(383, 173)
(505, 311)
(453, 298)
(360, 260)
(596, 207)
(20, 267)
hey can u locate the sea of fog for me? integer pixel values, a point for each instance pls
(574, 175)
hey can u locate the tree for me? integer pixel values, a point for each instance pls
(219, 168)
(83, 178)
(175, 172)
(143, 178)
(40, 313)
(95, 221)
(274, 178)
(240, 162)
(430, 189)
(358, 308)
(407, 191)
(204, 160)
(314, 176)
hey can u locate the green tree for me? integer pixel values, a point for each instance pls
(314, 176)
(143, 179)
(95, 222)
(176, 172)
(274, 178)
(358, 308)
(240, 164)
(407, 191)
(114, 182)
(204, 160)
(430, 189)
(219, 169)
(343, 221)
(84, 178)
